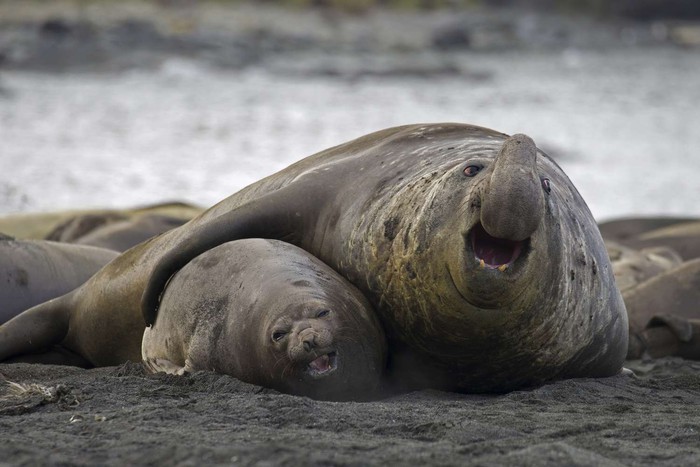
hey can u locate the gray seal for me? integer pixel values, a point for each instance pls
(269, 314)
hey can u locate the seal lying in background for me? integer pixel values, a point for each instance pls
(39, 226)
(660, 291)
(483, 262)
(625, 228)
(270, 314)
(683, 238)
(680, 234)
(33, 271)
(114, 231)
(632, 267)
(665, 314)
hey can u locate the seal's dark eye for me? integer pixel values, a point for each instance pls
(546, 185)
(278, 335)
(472, 170)
(323, 313)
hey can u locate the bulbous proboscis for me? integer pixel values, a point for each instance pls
(512, 204)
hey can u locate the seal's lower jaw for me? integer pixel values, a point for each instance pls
(323, 365)
(494, 253)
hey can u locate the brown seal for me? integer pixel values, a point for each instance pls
(270, 314)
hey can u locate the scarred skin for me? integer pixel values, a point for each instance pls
(394, 213)
(270, 314)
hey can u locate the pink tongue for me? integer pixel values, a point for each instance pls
(321, 364)
(494, 251)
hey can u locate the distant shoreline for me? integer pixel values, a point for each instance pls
(111, 36)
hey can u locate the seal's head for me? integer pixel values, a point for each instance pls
(308, 342)
(497, 257)
(317, 335)
(508, 230)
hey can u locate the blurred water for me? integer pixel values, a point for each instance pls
(624, 124)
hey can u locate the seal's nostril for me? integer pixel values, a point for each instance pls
(309, 341)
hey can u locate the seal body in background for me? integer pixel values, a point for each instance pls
(270, 314)
(481, 259)
(34, 271)
(114, 231)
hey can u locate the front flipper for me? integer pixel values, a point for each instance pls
(280, 215)
(162, 365)
(35, 330)
(56, 355)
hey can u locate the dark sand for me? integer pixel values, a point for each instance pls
(122, 416)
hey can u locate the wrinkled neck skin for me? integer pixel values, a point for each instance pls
(553, 311)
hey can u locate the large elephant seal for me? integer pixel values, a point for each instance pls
(481, 259)
(270, 314)
(33, 271)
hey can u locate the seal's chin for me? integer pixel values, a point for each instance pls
(492, 252)
(323, 365)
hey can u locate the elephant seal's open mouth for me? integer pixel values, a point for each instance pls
(323, 365)
(492, 252)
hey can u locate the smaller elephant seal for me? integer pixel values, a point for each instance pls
(270, 314)
(664, 313)
(34, 271)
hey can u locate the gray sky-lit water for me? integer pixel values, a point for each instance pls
(624, 125)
